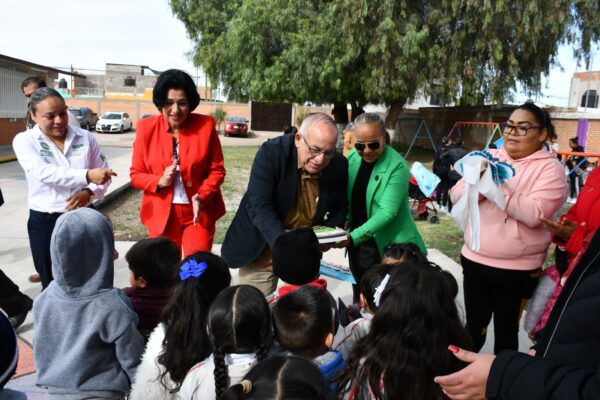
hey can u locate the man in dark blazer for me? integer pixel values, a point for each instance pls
(296, 181)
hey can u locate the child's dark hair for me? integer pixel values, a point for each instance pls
(404, 252)
(371, 281)
(302, 320)
(408, 339)
(185, 317)
(542, 117)
(239, 321)
(155, 260)
(280, 378)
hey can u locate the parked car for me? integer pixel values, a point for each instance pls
(85, 116)
(236, 125)
(114, 121)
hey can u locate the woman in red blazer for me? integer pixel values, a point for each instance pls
(178, 163)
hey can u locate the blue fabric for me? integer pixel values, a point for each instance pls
(335, 364)
(426, 179)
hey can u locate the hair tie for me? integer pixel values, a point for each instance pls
(380, 289)
(191, 268)
(246, 386)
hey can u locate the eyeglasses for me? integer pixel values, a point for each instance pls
(371, 145)
(517, 130)
(315, 151)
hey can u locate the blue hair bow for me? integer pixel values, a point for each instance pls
(192, 268)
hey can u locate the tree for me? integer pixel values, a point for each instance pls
(219, 115)
(386, 51)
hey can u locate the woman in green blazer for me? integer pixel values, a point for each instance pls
(378, 197)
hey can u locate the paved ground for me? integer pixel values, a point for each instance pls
(15, 256)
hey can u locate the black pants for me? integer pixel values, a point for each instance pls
(575, 183)
(39, 227)
(451, 183)
(441, 193)
(361, 258)
(12, 300)
(496, 291)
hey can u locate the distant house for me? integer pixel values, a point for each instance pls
(585, 91)
(12, 102)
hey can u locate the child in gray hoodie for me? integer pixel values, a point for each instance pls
(86, 343)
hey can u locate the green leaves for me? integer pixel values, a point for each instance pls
(359, 51)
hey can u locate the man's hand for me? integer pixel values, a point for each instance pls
(79, 199)
(563, 228)
(469, 382)
(99, 176)
(167, 177)
(196, 206)
(341, 244)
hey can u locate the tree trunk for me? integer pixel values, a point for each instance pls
(356, 110)
(340, 113)
(392, 115)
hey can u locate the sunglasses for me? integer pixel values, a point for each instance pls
(371, 145)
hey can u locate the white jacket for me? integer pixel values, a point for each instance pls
(146, 385)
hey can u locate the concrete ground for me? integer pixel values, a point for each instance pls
(15, 256)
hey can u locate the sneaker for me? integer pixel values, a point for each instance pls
(18, 319)
(35, 278)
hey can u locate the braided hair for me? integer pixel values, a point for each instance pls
(239, 321)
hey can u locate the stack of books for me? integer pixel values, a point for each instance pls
(326, 234)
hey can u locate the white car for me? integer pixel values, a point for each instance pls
(114, 121)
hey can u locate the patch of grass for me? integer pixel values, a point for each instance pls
(445, 236)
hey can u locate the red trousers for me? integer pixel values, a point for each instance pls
(180, 229)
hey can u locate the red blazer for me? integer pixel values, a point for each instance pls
(201, 166)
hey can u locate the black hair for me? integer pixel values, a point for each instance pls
(371, 281)
(280, 378)
(372, 118)
(239, 321)
(185, 316)
(574, 140)
(302, 320)
(406, 346)
(42, 94)
(542, 117)
(401, 252)
(175, 79)
(154, 259)
(290, 129)
(33, 79)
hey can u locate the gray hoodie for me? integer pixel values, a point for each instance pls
(86, 343)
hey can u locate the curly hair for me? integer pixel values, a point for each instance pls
(406, 346)
(186, 342)
(175, 79)
(239, 321)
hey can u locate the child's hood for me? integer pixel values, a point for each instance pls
(82, 248)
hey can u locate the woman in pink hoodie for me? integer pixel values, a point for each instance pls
(513, 242)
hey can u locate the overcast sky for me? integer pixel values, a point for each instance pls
(90, 33)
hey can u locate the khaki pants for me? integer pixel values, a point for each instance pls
(259, 276)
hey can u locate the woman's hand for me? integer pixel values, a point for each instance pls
(79, 199)
(563, 228)
(340, 245)
(167, 177)
(196, 206)
(469, 382)
(99, 176)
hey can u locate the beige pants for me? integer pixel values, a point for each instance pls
(259, 276)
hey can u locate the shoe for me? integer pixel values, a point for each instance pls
(17, 320)
(35, 278)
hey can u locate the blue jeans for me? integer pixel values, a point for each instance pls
(39, 227)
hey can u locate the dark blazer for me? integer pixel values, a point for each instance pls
(271, 194)
(567, 364)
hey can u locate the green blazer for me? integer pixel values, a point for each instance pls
(389, 218)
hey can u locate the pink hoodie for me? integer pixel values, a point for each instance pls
(514, 238)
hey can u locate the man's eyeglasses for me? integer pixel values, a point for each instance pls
(371, 145)
(315, 151)
(517, 130)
